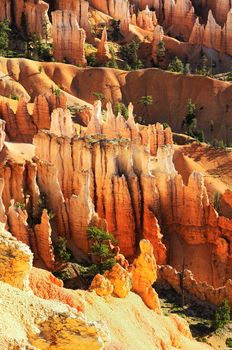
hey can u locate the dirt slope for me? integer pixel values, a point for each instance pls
(143, 329)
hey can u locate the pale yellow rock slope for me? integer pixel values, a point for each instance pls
(137, 327)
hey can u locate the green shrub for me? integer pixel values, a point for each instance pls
(161, 50)
(34, 217)
(5, 31)
(57, 92)
(166, 125)
(113, 31)
(146, 100)
(99, 96)
(61, 250)
(62, 275)
(121, 108)
(203, 69)
(91, 59)
(129, 53)
(222, 315)
(14, 97)
(176, 66)
(229, 342)
(221, 144)
(100, 251)
(20, 205)
(112, 63)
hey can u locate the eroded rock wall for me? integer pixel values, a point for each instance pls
(68, 38)
(119, 176)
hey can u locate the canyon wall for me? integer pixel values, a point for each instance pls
(117, 175)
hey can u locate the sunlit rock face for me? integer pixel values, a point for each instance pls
(68, 37)
(16, 255)
(116, 175)
(80, 7)
(144, 275)
(31, 16)
(213, 35)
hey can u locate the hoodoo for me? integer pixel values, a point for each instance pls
(115, 175)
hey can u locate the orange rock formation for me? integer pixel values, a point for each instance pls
(193, 288)
(103, 52)
(81, 9)
(68, 37)
(144, 274)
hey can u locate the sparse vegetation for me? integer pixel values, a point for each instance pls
(146, 100)
(61, 250)
(57, 92)
(190, 122)
(166, 125)
(91, 59)
(112, 63)
(121, 108)
(20, 205)
(14, 97)
(161, 51)
(102, 257)
(229, 342)
(129, 53)
(35, 214)
(5, 31)
(176, 66)
(62, 275)
(99, 96)
(203, 68)
(222, 316)
(113, 31)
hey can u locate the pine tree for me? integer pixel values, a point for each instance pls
(100, 250)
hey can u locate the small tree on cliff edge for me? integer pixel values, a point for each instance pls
(100, 250)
